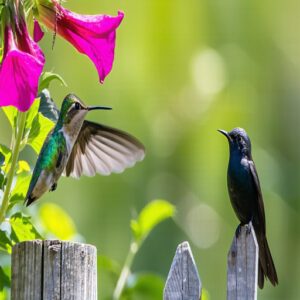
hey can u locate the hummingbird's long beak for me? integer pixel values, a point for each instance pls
(98, 107)
(224, 132)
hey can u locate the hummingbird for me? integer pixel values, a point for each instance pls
(77, 147)
(246, 198)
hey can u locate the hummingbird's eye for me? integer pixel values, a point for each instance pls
(77, 106)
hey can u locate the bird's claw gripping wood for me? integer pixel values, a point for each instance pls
(238, 231)
(249, 228)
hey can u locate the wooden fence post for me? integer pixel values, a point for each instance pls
(183, 282)
(54, 270)
(242, 266)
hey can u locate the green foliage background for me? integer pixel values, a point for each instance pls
(182, 70)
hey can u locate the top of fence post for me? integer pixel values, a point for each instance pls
(242, 265)
(56, 270)
(183, 282)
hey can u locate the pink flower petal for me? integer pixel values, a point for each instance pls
(98, 44)
(20, 70)
(37, 32)
(19, 76)
(92, 35)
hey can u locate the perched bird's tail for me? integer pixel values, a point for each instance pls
(266, 267)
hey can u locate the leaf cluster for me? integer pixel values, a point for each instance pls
(17, 226)
(139, 285)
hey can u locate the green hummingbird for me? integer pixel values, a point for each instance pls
(78, 147)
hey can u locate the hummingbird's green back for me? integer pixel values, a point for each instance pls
(54, 146)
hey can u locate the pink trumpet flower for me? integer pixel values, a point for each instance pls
(37, 32)
(92, 35)
(21, 67)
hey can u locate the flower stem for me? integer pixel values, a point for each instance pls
(14, 160)
(125, 271)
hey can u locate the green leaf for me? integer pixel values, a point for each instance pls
(151, 215)
(41, 126)
(2, 179)
(22, 228)
(48, 107)
(46, 79)
(3, 295)
(23, 166)
(7, 155)
(32, 113)
(37, 127)
(4, 280)
(4, 167)
(144, 286)
(2, 159)
(19, 192)
(11, 113)
(49, 214)
(1, 7)
(5, 243)
(5, 151)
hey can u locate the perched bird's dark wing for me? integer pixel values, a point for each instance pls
(104, 150)
(266, 265)
(260, 207)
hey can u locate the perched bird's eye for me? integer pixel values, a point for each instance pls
(77, 106)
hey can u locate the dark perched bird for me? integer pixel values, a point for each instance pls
(246, 198)
(78, 147)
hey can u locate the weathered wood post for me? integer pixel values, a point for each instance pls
(183, 282)
(242, 266)
(54, 270)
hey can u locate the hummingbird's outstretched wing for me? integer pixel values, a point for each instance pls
(104, 150)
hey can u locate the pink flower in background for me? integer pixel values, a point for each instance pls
(21, 67)
(92, 35)
(37, 32)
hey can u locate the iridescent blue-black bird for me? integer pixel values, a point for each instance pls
(246, 198)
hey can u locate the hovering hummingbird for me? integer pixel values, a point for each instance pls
(78, 147)
(246, 198)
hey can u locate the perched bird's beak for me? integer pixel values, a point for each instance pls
(98, 107)
(224, 132)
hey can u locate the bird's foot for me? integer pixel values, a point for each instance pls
(53, 187)
(239, 229)
(248, 228)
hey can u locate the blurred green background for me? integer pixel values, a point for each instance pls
(182, 70)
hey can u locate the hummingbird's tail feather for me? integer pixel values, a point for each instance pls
(266, 267)
(29, 200)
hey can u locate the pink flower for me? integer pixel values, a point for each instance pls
(20, 69)
(92, 35)
(37, 31)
